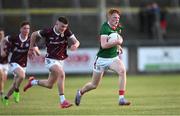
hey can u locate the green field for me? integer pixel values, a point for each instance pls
(149, 94)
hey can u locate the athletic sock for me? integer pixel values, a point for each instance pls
(62, 98)
(121, 94)
(34, 82)
(81, 93)
(16, 90)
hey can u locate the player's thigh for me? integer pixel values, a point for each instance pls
(96, 77)
(17, 70)
(5, 69)
(3, 75)
(118, 66)
(54, 66)
(51, 79)
(56, 72)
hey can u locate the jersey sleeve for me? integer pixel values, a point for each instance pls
(42, 33)
(7, 47)
(68, 33)
(8, 43)
(9, 39)
(103, 30)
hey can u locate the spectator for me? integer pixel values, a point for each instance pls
(153, 20)
(163, 22)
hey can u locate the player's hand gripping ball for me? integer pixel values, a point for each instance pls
(114, 37)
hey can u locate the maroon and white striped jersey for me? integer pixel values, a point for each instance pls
(56, 44)
(19, 49)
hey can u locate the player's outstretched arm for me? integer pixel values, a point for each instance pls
(2, 47)
(75, 44)
(37, 51)
(32, 50)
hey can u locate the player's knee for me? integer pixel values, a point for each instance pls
(22, 76)
(49, 86)
(94, 86)
(58, 73)
(122, 71)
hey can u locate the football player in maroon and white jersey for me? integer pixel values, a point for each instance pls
(18, 46)
(56, 39)
(3, 66)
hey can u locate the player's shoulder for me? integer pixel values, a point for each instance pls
(12, 37)
(105, 25)
(47, 30)
(105, 29)
(68, 32)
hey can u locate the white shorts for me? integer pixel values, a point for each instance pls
(14, 66)
(49, 62)
(102, 64)
(4, 67)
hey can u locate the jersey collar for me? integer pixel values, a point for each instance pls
(22, 39)
(113, 28)
(56, 32)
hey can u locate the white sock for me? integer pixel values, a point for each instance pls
(121, 96)
(62, 98)
(80, 93)
(34, 82)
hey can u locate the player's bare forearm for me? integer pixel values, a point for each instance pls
(120, 49)
(75, 45)
(33, 39)
(3, 53)
(114, 43)
(105, 44)
(37, 51)
(32, 51)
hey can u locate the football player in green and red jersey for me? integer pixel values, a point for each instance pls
(107, 58)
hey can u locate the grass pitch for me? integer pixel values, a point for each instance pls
(149, 94)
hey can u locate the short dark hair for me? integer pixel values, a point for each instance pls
(24, 23)
(63, 20)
